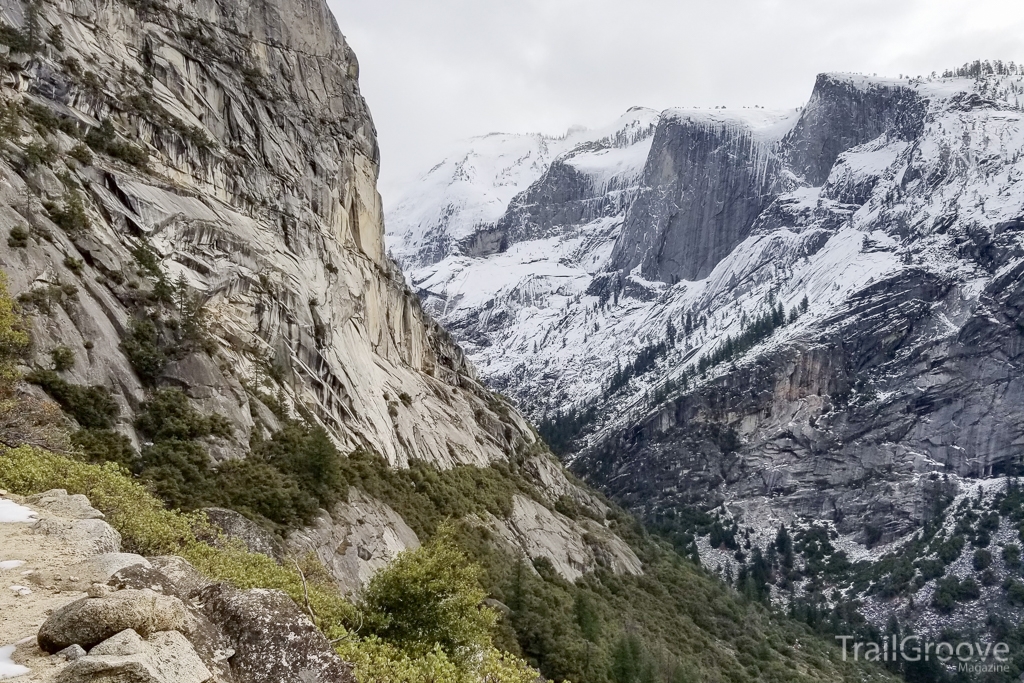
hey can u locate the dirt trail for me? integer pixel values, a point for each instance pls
(22, 612)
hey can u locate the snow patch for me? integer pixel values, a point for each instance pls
(12, 513)
(8, 669)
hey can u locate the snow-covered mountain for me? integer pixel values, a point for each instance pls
(811, 314)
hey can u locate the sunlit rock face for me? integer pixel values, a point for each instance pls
(260, 193)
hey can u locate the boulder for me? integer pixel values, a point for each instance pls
(165, 657)
(271, 637)
(143, 576)
(89, 536)
(186, 578)
(59, 502)
(89, 621)
(236, 526)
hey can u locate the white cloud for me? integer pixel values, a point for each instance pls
(435, 71)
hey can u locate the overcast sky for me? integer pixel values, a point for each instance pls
(437, 71)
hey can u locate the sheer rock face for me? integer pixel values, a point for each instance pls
(261, 193)
(841, 115)
(705, 182)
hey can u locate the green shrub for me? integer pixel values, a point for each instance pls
(144, 351)
(931, 569)
(168, 414)
(260, 491)
(91, 406)
(18, 40)
(40, 154)
(307, 455)
(1015, 592)
(952, 590)
(63, 358)
(44, 298)
(949, 550)
(428, 597)
(72, 216)
(105, 140)
(105, 445)
(982, 559)
(82, 154)
(74, 265)
(18, 237)
(14, 339)
(1011, 556)
(56, 37)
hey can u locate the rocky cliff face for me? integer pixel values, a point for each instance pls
(845, 112)
(231, 147)
(843, 347)
(707, 178)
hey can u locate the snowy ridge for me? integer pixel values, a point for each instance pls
(538, 329)
(891, 368)
(473, 187)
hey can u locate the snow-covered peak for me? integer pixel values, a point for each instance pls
(766, 125)
(473, 187)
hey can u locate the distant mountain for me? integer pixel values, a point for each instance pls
(736, 319)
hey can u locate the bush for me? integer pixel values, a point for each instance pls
(44, 298)
(931, 569)
(307, 455)
(82, 154)
(952, 590)
(63, 358)
(18, 237)
(1011, 556)
(14, 341)
(142, 347)
(1015, 592)
(105, 445)
(949, 550)
(40, 155)
(105, 140)
(74, 265)
(91, 406)
(261, 491)
(168, 414)
(430, 597)
(982, 559)
(71, 217)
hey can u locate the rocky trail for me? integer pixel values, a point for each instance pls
(74, 608)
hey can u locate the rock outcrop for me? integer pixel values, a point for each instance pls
(161, 658)
(355, 539)
(89, 621)
(707, 178)
(231, 151)
(271, 638)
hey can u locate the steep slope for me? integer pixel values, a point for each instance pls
(843, 348)
(251, 174)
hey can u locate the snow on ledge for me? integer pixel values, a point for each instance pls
(12, 513)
